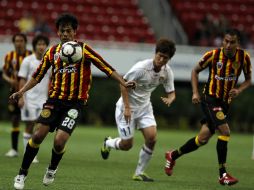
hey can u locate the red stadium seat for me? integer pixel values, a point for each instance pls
(99, 19)
(240, 13)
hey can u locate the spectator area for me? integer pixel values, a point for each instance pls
(115, 20)
(238, 14)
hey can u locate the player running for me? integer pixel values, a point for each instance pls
(225, 65)
(134, 108)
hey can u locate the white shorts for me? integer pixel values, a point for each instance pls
(30, 113)
(141, 119)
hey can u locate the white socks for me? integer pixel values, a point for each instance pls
(26, 137)
(113, 143)
(145, 155)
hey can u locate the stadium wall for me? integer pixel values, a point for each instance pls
(123, 55)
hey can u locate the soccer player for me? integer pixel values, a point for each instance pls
(12, 63)
(134, 108)
(68, 94)
(32, 101)
(225, 65)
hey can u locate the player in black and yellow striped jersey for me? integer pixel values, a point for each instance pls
(68, 94)
(67, 83)
(12, 62)
(225, 65)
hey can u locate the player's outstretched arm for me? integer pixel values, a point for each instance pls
(30, 84)
(128, 84)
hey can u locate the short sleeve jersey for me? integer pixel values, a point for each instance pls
(224, 72)
(39, 93)
(147, 80)
(71, 81)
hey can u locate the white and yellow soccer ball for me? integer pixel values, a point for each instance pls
(71, 52)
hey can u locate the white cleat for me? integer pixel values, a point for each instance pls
(11, 153)
(49, 177)
(19, 182)
(35, 160)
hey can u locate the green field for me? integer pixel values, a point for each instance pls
(83, 169)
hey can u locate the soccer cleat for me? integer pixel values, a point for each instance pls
(49, 176)
(170, 163)
(11, 153)
(142, 177)
(227, 179)
(35, 160)
(104, 149)
(19, 182)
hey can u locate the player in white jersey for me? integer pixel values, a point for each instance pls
(32, 101)
(134, 108)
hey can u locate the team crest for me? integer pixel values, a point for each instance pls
(56, 56)
(236, 65)
(45, 113)
(219, 65)
(14, 62)
(220, 115)
(161, 79)
(73, 113)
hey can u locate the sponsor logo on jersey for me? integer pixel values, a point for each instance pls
(220, 115)
(217, 109)
(73, 113)
(226, 78)
(49, 106)
(45, 113)
(68, 69)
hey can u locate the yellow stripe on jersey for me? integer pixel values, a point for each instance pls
(81, 79)
(72, 86)
(62, 86)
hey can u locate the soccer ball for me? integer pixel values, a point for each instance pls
(71, 52)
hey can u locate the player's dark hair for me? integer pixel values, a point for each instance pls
(67, 18)
(233, 32)
(166, 46)
(39, 38)
(19, 34)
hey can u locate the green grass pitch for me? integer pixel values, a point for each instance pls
(83, 169)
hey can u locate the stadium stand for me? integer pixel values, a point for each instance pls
(238, 13)
(115, 20)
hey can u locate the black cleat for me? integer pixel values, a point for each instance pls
(105, 150)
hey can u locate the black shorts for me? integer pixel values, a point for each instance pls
(215, 111)
(61, 114)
